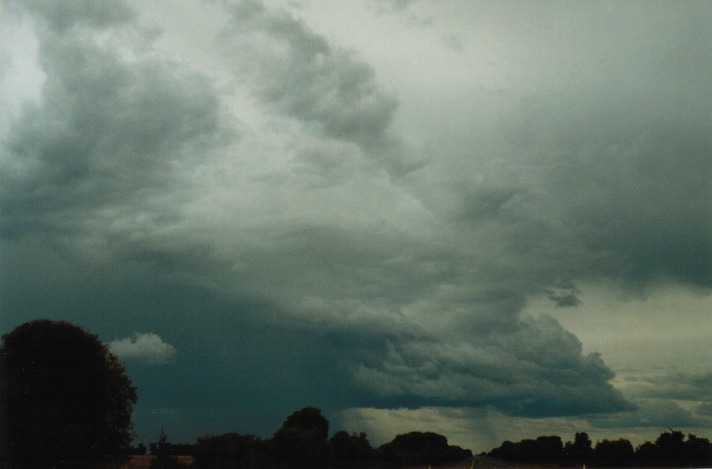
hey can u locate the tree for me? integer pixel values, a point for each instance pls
(698, 451)
(302, 440)
(646, 454)
(65, 400)
(580, 451)
(671, 447)
(550, 449)
(616, 453)
(420, 448)
(350, 450)
(543, 450)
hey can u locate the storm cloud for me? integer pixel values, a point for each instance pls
(293, 212)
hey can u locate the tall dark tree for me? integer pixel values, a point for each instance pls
(580, 451)
(671, 447)
(302, 440)
(65, 400)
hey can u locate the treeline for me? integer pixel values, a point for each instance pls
(66, 403)
(670, 449)
(303, 442)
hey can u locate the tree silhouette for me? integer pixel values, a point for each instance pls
(580, 451)
(550, 449)
(669, 450)
(302, 440)
(543, 450)
(65, 400)
(420, 448)
(350, 450)
(616, 453)
(698, 451)
(670, 446)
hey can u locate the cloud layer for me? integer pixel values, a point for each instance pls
(387, 228)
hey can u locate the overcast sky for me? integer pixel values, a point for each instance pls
(492, 220)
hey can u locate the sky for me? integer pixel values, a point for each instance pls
(491, 220)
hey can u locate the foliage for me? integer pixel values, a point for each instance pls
(350, 450)
(669, 450)
(302, 440)
(616, 453)
(66, 401)
(418, 448)
(580, 451)
(545, 449)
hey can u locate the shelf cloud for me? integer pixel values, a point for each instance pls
(348, 211)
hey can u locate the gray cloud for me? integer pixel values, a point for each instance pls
(651, 413)
(679, 386)
(638, 199)
(108, 138)
(535, 369)
(564, 295)
(299, 74)
(60, 16)
(387, 276)
(705, 409)
(104, 153)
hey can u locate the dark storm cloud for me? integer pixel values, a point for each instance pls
(536, 370)
(599, 170)
(612, 193)
(284, 258)
(101, 160)
(640, 199)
